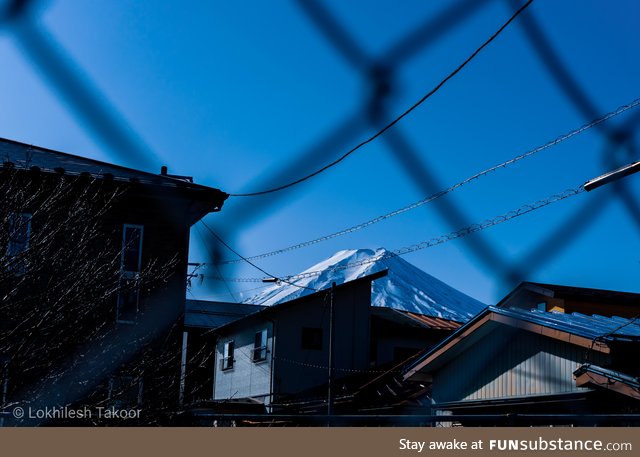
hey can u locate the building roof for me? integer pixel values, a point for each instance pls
(210, 314)
(21, 156)
(414, 319)
(605, 378)
(592, 327)
(268, 310)
(574, 293)
(593, 332)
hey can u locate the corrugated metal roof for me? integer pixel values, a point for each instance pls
(590, 327)
(587, 326)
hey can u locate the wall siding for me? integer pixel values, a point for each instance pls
(296, 369)
(299, 369)
(247, 378)
(512, 363)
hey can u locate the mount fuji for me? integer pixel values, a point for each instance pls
(406, 287)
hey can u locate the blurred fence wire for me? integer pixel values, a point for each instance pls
(99, 117)
(94, 111)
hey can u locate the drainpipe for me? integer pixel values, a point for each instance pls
(215, 366)
(273, 355)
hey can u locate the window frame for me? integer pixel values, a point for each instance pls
(129, 275)
(260, 350)
(124, 247)
(227, 361)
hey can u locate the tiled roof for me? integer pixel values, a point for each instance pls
(433, 322)
(408, 318)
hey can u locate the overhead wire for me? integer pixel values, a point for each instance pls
(621, 109)
(497, 220)
(215, 265)
(221, 241)
(397, 119)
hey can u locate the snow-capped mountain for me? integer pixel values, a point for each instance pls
(406, 287)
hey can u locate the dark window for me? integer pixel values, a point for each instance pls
(131, 248)
(227, 356)
(311, 338)
(260, 346)
(129, 289)
(128, 299)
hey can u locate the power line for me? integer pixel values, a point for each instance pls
(226, 284)
(221, 241)
(437, 195)
(521, 211)
(397, 119)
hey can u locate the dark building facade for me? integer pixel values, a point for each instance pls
(93, 280)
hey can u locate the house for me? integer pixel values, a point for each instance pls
(279, 356)
(94, 278)
(514, 361)
(198, 345)
(568, 299)
(284, 349)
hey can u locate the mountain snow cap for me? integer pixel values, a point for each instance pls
(406, 287)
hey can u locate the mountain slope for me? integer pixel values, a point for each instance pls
(406, 287)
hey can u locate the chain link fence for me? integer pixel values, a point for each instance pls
(19, 19)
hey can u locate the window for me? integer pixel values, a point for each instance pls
(130, 264)
(260, 346)
(131, 248)
(128, 298)
(227, 356)
(18, 241)
(125, 391)
(311, 338)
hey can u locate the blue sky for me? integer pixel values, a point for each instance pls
(233, 92)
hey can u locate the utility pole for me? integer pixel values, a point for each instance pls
(332, 301)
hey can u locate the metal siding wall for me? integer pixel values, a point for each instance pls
(246, 378)
(301, 369)
(507, 365)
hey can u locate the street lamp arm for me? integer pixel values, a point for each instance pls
(612, 176)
